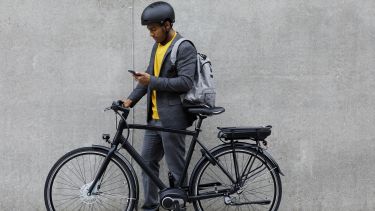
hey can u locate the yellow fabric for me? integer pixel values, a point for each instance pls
(159, 56)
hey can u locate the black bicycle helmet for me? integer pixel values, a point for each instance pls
(157, 12)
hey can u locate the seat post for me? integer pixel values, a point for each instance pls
(200, 120)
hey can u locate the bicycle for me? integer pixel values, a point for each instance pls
(235, 175)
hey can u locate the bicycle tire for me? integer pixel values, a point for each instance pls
(261, 184)
(68, 180)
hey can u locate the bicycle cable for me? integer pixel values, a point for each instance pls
(127, 126)
(220, 135)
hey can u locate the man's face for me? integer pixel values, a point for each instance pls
(157, 32)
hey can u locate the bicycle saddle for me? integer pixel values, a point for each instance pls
(206, 111)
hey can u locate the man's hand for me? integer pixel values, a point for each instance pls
(143, 78)
(127, 103)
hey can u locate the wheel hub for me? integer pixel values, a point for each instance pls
(234, 197)
(231, 200)
(85, 197)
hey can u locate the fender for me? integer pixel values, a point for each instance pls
(123, 158)
(254, 146)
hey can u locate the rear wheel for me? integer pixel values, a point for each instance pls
(258, 189)
(69, 179)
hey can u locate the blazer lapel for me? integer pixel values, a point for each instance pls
(152, 59)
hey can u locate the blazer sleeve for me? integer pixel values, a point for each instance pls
(186, 64)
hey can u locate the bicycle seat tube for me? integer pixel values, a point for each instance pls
(191, 149)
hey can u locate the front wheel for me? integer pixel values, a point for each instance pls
(258, 186)
(69, 179)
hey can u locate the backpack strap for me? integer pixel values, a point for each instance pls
(175, 48)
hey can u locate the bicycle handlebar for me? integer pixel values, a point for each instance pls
(118, 106)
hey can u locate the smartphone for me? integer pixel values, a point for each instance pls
(133, 72)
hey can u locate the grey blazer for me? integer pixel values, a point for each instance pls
(171, 83)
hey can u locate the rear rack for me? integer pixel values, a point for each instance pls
(238, 133)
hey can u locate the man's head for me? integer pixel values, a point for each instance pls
(159, 18)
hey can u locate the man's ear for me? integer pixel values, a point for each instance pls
(167, 25)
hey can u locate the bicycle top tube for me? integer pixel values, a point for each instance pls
(201, 112)
(156, 128)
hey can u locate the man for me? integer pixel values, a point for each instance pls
(163, 85)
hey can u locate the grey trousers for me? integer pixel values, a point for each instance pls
(155, 145)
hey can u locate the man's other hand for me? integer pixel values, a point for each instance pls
(142, 78)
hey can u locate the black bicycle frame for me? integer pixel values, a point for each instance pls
(141, 162)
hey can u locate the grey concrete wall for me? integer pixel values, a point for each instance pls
(305, 67)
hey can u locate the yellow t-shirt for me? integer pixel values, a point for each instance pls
(159, 56)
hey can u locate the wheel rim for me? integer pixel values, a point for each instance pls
(257, 192)
(72, 178)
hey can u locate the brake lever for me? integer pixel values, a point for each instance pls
(106, 109)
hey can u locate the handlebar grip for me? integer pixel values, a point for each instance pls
(118, 106)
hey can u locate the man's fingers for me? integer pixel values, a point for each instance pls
(137, 77)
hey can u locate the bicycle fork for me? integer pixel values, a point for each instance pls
(102, 169)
